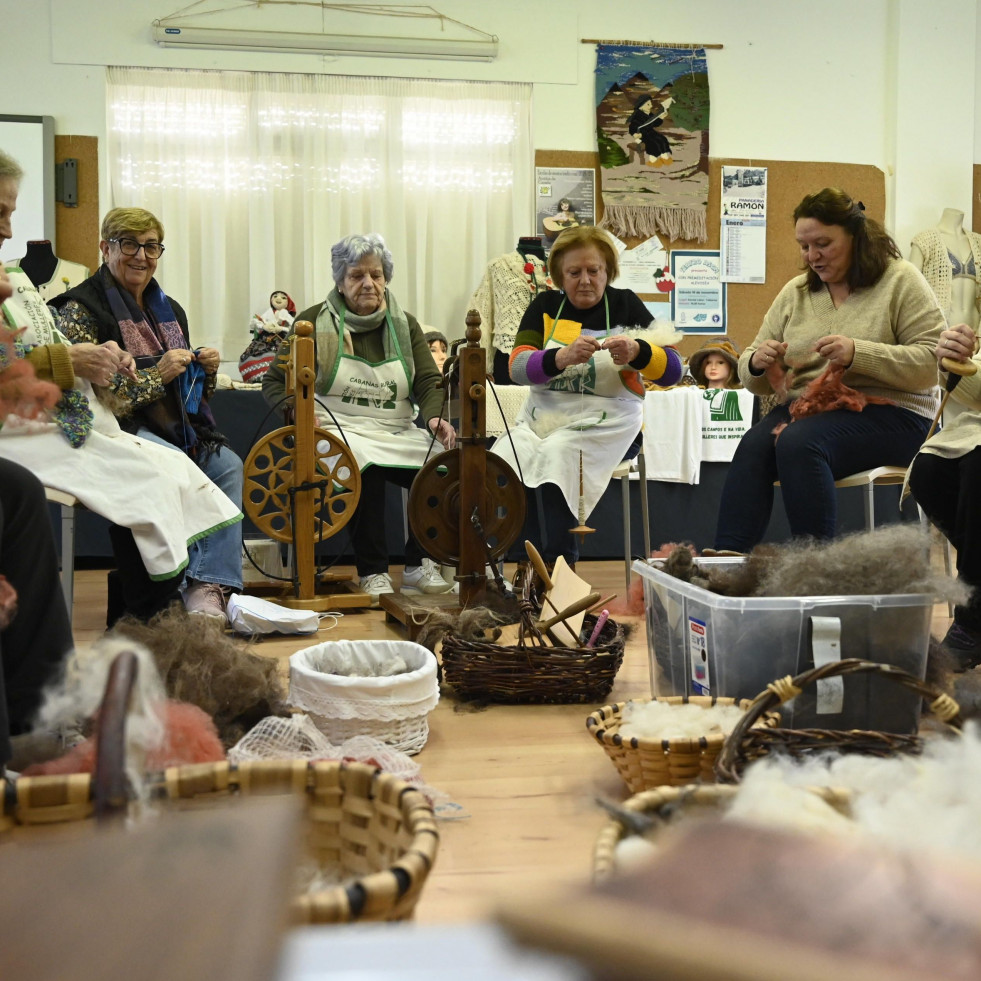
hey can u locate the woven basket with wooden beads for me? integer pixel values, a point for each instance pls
(647, 763)
(749, 741)
(675, 804)
(371, 832)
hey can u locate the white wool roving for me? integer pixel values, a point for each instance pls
(75, 698)
(928, 802)
(766, 798)
(659, 720)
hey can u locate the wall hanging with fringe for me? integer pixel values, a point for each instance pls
(652, 131)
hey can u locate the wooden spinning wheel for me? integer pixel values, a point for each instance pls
(302, 483)
(436, 515)
(269, 478)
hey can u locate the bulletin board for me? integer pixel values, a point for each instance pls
(77, 228)
(787, 183)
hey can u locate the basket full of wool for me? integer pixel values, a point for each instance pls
(737, 624)
(669, 741)
(380, 688)
(917, 805)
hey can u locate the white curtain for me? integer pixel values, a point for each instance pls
(255, 175)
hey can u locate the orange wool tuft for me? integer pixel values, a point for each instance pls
(828, 392)
(190, 737)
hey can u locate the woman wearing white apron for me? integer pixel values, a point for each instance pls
(583, 352)
(161, 500)
(373, 367)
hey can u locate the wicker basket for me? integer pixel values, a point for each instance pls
(372, 832)
(533, 673)
(674, 803)
(648, 763)
(748, 741)
(393, 709)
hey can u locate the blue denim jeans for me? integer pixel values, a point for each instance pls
(216, 557)
(807, 459)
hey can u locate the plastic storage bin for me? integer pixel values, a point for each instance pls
(701, 643)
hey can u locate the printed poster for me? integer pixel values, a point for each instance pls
(698, 295)
(743, 233)
(565, 197)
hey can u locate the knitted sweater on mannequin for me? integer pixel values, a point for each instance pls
(936, 263)
(502, 298)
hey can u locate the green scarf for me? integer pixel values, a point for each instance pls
(328, 330)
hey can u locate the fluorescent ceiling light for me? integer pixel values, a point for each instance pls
(212, 38)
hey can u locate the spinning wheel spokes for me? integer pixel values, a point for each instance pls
(434, 506)
(269, 478)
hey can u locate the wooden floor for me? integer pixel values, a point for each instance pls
(524, 778)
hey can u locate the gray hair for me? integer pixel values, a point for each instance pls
(9, 168)
(351, 250)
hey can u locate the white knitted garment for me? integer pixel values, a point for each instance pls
(502, 298)
(936, 263)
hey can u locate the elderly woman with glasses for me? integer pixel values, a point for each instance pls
(167, 401)
(373, 368)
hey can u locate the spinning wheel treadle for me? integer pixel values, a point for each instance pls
(268, 479)
(434, 506)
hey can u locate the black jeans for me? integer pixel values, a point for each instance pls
(807, 458)
(367, 527)
(947, 490)
(33, 647)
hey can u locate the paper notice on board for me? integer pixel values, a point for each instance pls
(743, 232)
(642, 267)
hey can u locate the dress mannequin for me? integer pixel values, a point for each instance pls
(950, 259)
(49, 274)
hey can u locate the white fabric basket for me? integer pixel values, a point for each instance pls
(392, 708)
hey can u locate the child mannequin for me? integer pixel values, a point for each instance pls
(439, 347)
(714, 365)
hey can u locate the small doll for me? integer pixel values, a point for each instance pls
(279, 316)
(268, 332)
(714, 364)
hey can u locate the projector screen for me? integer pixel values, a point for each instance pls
(30, 141)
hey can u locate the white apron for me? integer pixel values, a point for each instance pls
(586, 408)
(162, 496)
(376, 416)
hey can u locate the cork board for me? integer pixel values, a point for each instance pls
(787, 183)
(77, 229)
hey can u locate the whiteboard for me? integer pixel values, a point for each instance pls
(30, 141)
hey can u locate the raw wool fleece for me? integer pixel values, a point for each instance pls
(913, 803)
(828, 392)
(886, 561)
(73, 700)
(200, 665)
(659, 720)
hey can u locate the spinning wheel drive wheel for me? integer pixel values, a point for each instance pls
(269, 477)
(434, 506)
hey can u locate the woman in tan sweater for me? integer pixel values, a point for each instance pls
(860, 306)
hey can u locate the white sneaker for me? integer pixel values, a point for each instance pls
(376, 584)
(424, 578)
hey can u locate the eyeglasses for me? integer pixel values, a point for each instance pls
(129, 246)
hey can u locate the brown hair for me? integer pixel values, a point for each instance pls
(137, 220)
(578, 237)
(872, 245)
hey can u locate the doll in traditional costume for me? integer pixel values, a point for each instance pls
(268, 331)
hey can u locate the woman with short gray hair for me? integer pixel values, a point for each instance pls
(375, 374)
